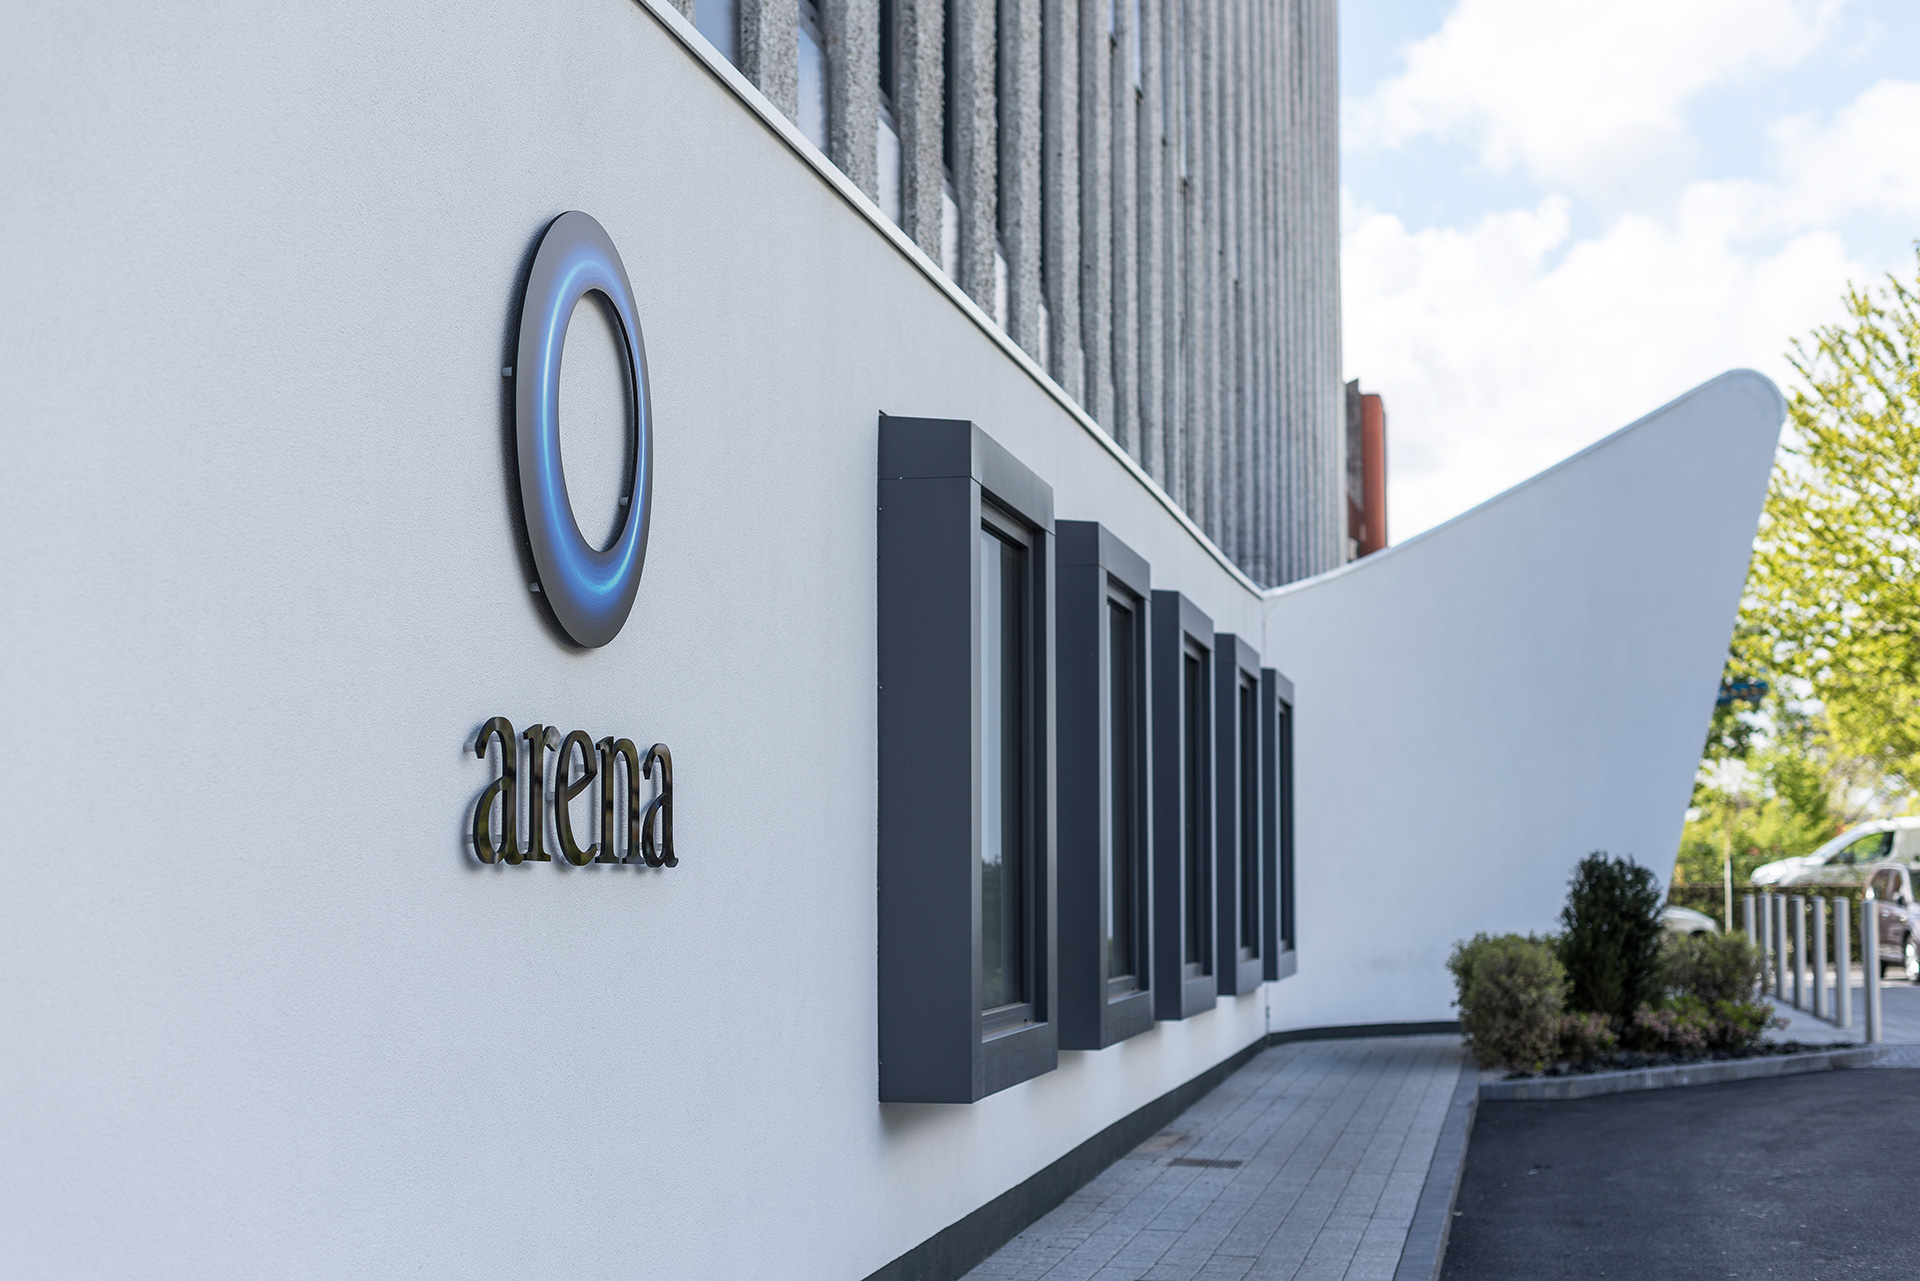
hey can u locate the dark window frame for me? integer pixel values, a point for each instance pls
(1237, 671)
(940, 481)
(1182, 988)
(1277, 820)
(1095, 568)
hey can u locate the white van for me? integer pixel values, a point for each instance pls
(1848, 857)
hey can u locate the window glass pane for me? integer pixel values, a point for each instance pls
(1865, 850)
(1194, 785)
(1002, 681)
(1249, 818)
(813, 78)
(889, 75)
(716, 21)
(886, 147)
(1284, 820)
(949, 106)
(1120, 765)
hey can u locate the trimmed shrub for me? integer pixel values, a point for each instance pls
(1713, 967)
(1610, 945)
(1512, 991)
(1586, 1036)
(1738, 1025)
(1682, 1028)
(1689, 1025)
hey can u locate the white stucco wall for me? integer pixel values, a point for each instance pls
(1486, 703)
(262, 1014)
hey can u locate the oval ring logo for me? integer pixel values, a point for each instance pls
(591, 592)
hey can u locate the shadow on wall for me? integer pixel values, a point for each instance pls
(1485, 703)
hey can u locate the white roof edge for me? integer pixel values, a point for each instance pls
(1731, 375)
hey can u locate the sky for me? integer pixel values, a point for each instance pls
(1557, 216)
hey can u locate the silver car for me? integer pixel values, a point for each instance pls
(1684, 920)
(1848, 857)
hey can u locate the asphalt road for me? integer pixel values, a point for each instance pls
(1808, 1177)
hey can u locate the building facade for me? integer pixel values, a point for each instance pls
(1143, 194)
(591, 708)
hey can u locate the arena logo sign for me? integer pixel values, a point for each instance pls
(590, 592)
(578, 762)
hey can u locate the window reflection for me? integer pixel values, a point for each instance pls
(1194, 785)
(812, 118)
(1121, 673)
(1002, 798)
(1249, 819)
(717, 21)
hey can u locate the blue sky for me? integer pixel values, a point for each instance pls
(1558, 216)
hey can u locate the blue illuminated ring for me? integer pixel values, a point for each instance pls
(591, 592)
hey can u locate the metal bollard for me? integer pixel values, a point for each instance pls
(1798, 932)
(1842, 967)
(1746, 918)
(1870, 965)
(1780, 947)
(1766, 942)
(1822, 1007)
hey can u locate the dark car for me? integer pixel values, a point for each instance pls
(1891, 886)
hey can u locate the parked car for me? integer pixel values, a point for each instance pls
(1891, 886)
(1684, 920)
(1847, 858)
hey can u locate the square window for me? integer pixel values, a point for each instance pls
(1239, 928)
(1105, 949)
(966, 868)
(1183, 807)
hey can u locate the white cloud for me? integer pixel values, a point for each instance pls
(1864, 161)
(1868, 158)
(1581, 96)
(1496, 360)
(1505, 345)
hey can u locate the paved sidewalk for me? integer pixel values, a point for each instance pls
(1306, 1164)
(1899, 1012)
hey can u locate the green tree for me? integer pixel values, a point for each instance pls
(1610, 936)
(1831, 618)
(1834, 595)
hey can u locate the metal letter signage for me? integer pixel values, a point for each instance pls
(606, 759)
(591, 592)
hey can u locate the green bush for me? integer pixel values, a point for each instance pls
(1691, 1025)
(1740, 1024)
(1512, 991)
(1586, 1036)
(1610, 944)
(1713, 967)
(1683, 1027)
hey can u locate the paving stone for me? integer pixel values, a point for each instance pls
(1334, 1140)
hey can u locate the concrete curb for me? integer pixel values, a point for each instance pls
(1661, 1078)
(1426, 1244)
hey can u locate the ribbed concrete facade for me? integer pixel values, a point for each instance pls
(1144, 193)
